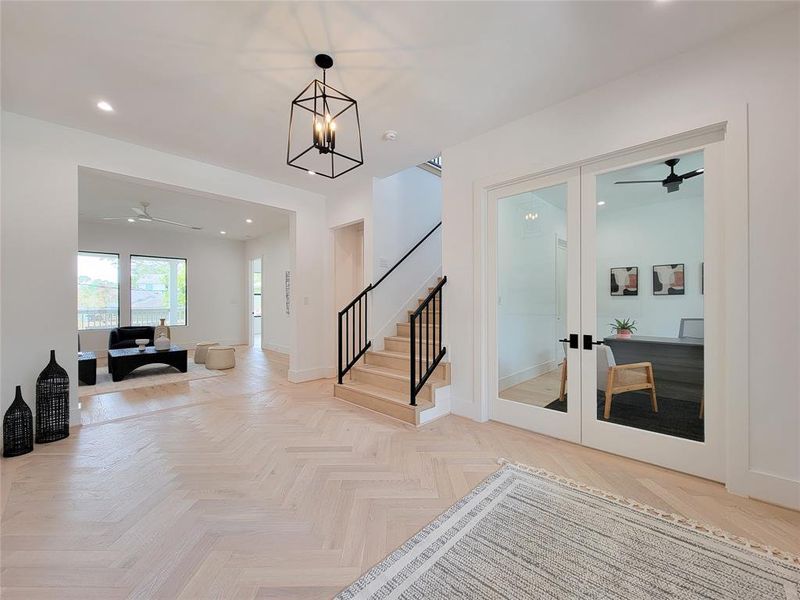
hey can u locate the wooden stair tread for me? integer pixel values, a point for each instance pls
(396, 373)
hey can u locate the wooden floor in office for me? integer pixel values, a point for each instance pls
(258, 488)
(537, 391)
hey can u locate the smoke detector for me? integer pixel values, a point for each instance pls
(390, 135)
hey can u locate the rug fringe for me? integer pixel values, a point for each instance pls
(702, 528)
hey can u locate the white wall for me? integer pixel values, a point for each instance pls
(406, 206)
(755, 68)
(654, 234)
(40, 240)
(216, 279)
(397, 211)
(276, 253)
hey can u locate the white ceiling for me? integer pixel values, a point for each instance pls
(214, 80)
(102, 194)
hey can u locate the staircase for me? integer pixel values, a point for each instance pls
(381, 379)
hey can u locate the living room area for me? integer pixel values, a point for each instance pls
(166, 295)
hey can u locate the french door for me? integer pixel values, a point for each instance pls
(578, 253)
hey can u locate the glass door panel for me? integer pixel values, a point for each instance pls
(644, 250)
(536, 286)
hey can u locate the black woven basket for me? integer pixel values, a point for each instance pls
(52, 403)
(18, 427)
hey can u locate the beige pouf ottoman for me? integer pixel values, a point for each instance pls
(201, 350)
(220, 357)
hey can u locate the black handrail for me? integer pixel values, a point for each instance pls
(357, 331)
(433, 342)
(407, 254)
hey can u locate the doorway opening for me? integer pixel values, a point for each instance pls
(348, 262)
(256, 322)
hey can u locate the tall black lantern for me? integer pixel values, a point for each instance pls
(324, 129)
(52, 403)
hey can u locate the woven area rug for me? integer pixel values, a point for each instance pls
(145, 377)
(526, 533)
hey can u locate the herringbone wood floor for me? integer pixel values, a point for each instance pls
(251, 487)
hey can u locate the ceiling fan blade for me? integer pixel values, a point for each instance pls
(641, 181)
(176, 224)
(139, 211)
(115, 218)
(694, 173)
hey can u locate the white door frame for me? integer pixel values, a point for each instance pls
(541, 420)
(738, 476)
(705, 459)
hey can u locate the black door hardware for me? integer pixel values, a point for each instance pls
(588, 343)
(573, 341)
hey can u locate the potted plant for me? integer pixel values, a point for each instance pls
(623, 327)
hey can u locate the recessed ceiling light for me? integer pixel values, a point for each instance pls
(311, 173)
(248, 220)
(601, 203)
(131, 220)
(223, 232)
(105, 106)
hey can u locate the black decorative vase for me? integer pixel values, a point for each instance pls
(18, 427)
(52, 403)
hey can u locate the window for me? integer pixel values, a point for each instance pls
(98, 290)
(158, 290)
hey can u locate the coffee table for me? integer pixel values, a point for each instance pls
(123, 362)
(87, 368)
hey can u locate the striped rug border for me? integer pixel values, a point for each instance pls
(703, 528)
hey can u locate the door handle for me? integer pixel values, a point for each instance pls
(588, 343)
(573, 341)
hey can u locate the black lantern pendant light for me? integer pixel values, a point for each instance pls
(324, 128)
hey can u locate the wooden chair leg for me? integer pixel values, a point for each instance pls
(652, 380)
(563, 389)
(609, 393)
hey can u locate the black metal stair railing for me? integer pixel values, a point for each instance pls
(427, 350)
(353, 335)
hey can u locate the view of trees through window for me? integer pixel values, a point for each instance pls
(98, 290)
(158, 290)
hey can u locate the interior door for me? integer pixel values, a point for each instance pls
(534, 323)
(649, 256)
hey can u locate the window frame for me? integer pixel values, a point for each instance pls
(119, 288)
(130, 284)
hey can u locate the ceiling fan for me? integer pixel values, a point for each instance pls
(143, 215)
(673, 181)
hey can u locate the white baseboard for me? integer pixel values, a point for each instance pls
(768, 488)
(276, 348)
(526, 374)
(299, 376)
(441, 406)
